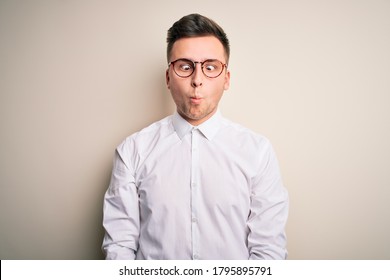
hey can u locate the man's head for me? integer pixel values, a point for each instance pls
(195, 25)
(198, 53)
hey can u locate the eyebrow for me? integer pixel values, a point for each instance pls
(189, 59)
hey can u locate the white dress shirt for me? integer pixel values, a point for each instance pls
(208, 192)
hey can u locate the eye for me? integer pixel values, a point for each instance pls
(211, 66)
(185, 66)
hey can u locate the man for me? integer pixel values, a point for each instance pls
(195, 185)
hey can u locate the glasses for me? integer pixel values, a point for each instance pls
(184, 68)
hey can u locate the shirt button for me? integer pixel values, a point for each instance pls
(193, 184)
(194, 220)
(196, 257)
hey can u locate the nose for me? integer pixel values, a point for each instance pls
(197, 76)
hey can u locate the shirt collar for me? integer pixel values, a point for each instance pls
(209, 128)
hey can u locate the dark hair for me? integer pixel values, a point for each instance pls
(195, 25)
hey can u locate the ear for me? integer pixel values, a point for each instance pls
(227, 80)
(167, 79)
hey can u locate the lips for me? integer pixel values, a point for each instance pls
(196, 100)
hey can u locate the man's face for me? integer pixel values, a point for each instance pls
(197, 96)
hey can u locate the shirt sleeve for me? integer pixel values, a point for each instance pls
(120, 208)
(269, 210)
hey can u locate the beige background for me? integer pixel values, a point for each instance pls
(76, 77)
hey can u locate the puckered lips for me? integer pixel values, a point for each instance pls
(196, 100)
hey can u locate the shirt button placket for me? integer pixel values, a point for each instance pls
(194, 192)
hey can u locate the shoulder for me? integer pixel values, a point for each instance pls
(242, 134)
(162, 126)
(149, 134)
(255, 147)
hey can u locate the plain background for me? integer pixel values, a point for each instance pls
(77, 77)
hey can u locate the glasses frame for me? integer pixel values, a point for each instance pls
(224, 65)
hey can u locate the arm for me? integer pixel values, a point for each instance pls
(120, 209)
(269, 211)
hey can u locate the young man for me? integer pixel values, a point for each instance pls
(195, 185)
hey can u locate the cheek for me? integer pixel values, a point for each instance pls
(176, 90)
(219, 92)
(177, 85)
(222, 87)
(171, 79)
